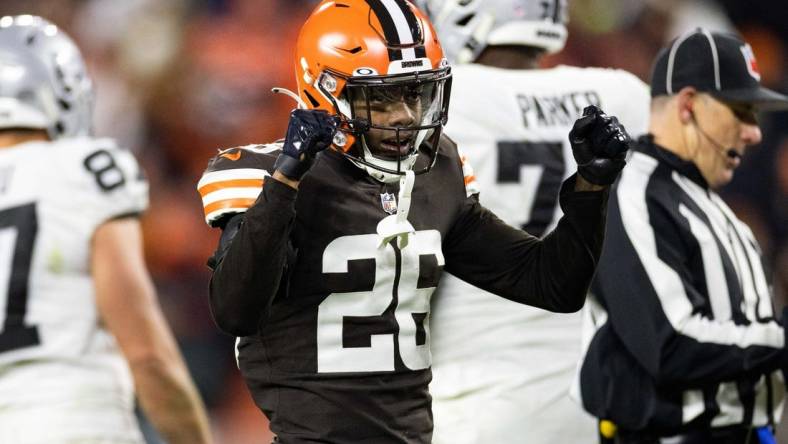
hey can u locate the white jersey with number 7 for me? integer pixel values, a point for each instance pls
(501, 370)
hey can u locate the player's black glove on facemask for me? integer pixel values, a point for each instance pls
(309, 132)
(599, 144)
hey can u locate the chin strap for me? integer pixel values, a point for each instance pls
(291, 94)
(397, 225)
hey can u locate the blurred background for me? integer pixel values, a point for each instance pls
(178, 79)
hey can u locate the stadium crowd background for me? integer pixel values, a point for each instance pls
(177, 79)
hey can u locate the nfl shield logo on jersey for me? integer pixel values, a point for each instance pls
(389, 202)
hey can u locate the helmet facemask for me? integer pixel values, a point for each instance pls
(392, 119)
(73, 87)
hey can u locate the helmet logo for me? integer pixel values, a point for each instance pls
(412, 63)
(365, 71)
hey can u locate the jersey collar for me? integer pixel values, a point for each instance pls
(645, 144)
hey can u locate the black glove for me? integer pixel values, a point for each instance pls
(599, 144)
(309, 132)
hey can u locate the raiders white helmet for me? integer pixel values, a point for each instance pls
(466, 27)
(70, 84)
(26, 98)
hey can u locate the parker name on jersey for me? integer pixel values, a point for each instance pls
(558, 109)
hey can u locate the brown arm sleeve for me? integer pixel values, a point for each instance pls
(553, 273)
(251, 259)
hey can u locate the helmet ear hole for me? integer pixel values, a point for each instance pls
(465, 20)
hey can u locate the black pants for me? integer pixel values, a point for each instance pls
(724, 435)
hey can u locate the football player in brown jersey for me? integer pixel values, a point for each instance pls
(326, 274)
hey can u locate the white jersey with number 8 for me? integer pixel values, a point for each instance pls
(55, 356)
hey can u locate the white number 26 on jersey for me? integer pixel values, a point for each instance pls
(332, 356)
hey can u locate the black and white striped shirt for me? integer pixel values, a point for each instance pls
(682, 329)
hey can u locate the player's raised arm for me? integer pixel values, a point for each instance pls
(127, 304)
(253, 248)
(555, 272)
(308, 133)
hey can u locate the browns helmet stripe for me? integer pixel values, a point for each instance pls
(389, 29)
(415, 28)
(400, 28)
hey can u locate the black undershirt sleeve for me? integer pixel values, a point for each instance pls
(248, 266)
(552, 273)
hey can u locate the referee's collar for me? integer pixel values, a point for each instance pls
(645, 144)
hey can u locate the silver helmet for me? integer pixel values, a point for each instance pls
(466, 27)
(70, 83)
(26, 98)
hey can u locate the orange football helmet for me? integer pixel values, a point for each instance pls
(349, 51)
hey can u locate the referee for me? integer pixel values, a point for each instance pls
(685, 345)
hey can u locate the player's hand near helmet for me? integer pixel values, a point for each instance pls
(599, 144)
(309, 132)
